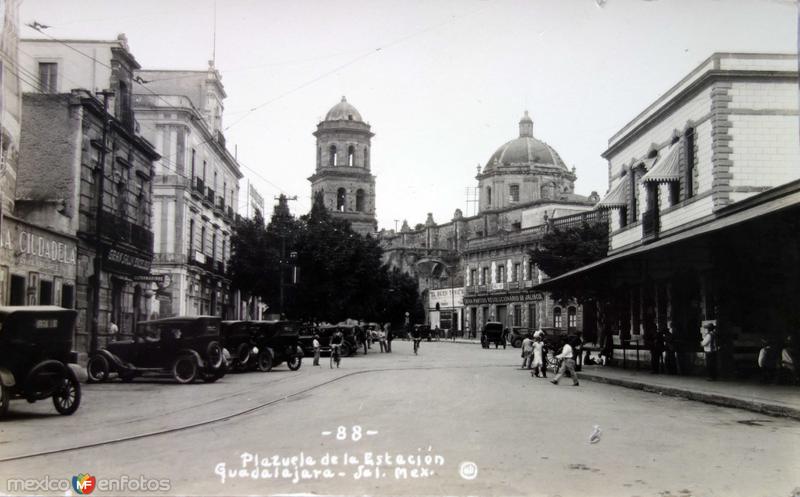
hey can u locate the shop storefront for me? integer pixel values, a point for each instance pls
(37, 266)
(446, 308)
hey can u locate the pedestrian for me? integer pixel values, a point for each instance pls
(317, 347)
(113, 330)
(362, 335)
(389, 337)
(382, 340)
(788, 364)
(527, 353)
(709, 343)
(537, 354)
(567, 364)
(656, 352)
(670, 362)
(416, 336)
(767, 361)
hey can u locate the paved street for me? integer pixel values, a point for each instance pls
(454, 403)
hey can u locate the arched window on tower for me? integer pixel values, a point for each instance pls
(333, 160)
(488, 196)
(351, 156)
(341, 199)
(360, 200)
(366, 157)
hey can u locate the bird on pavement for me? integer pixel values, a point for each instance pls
(595, 436)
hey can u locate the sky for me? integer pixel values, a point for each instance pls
(443, 83)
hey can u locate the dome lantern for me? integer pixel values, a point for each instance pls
(526, 126)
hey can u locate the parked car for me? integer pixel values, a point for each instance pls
(493, 333)
(36, 357)
(518, 334)
(276, 342)
(349, 346)
(238, 340)
(185, 347)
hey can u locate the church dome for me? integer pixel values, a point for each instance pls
(525, 151)
(343, 111)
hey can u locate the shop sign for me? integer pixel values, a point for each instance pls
(162, 280)
(28, 246)
(504, 298)
(446, 297)
(125, 261)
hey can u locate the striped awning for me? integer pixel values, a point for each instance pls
(615, 199)
(666, 168)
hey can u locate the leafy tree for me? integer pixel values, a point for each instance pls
(562, 250)
(248, 252)
(280, 241)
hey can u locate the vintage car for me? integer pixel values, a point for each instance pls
(518, 334)
(238, 340)
(493, 332)
(325, 332)
(36, 357)
(276, 342)
(185, 347)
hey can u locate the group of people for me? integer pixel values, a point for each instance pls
(534, 355)
(776, 361)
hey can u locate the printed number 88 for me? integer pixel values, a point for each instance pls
(355, 433)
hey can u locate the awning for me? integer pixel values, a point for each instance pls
(615, 198)
(771, 201)
(667, 168)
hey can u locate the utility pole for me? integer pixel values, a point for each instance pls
(98, 244)
(282, 262)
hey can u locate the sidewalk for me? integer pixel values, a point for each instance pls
(773, 400)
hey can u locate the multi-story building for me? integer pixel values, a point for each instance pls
(703, 207)
(195, 192)
(85, 171)
(524, 190)
(343, 168)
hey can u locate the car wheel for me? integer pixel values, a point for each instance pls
(5, 397)
(97, 369)
(243, 356)
(214, 355)
(516, 343)
(67, 398)
(295, 362)
(185, 369)
(346, 350)
(264, 363)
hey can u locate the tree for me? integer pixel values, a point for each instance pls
(562, 250)
(280, 241)
(248, 252)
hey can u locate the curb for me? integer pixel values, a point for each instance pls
(708, 398)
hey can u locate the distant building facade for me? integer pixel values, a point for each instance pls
(343, 170)
(86, 174)
(195, 192)
(524, 190)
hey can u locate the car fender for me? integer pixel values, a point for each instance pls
(271, 352)
(7, 378)
(81, 374)
(113, 361)
(200, 363)
(299, 351)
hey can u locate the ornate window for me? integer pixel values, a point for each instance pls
(513, 193)
(572, 317)
(351, 156)
(333, 159)
(557, 317)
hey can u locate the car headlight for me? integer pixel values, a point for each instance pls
(255, 350)
(225, 354)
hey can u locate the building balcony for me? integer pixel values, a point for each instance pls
(219, 206)
(118, 229)
(198, 188)
(229, 214)
(208, 198)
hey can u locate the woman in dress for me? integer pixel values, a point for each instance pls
(538, 364)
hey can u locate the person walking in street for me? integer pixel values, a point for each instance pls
(362, 336)
(709, 343)
(113, 331)
(389, 337)
(656, 352)
(527, 353)
(382, 340)
(567, 364)
(316, 346)
(539, 370)
(416, 336)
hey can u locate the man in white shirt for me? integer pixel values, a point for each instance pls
(567, 364)
(316, 346)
